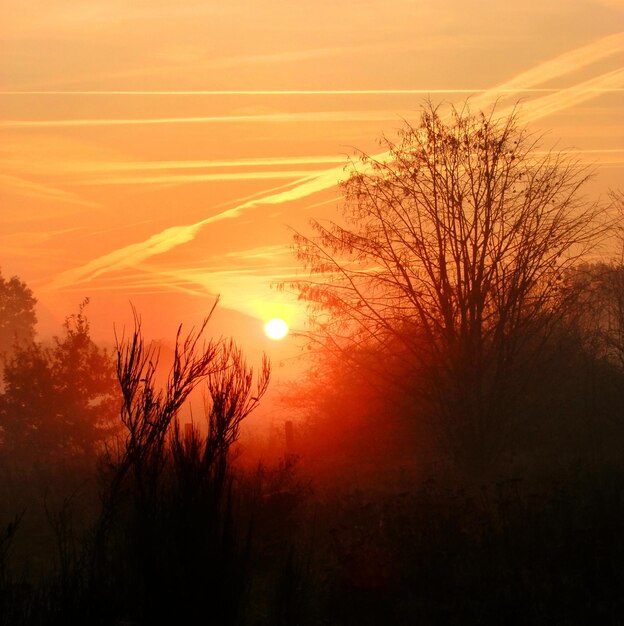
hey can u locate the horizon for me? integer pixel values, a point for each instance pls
(161, 155)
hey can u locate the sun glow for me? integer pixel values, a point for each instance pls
(276, 328)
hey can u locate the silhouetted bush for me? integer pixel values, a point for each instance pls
(172, 538)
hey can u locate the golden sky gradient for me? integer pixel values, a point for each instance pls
(160, 151)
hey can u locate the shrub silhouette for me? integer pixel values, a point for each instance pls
(169, 514)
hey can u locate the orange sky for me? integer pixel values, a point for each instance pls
(159, 151)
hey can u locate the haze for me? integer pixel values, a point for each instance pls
(159, 154)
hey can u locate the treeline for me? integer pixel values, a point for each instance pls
(455, 280)
(114, 512)
(367, 526)
(366, 411)
(456, 456)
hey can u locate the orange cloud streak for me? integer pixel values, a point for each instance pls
(538, 108)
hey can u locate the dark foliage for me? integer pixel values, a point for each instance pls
(372, 522)
(59, 402)
(449, 253)
(17, 313)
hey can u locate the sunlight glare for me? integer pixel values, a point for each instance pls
(276, 328)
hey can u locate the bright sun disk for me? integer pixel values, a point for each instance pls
(276, 328)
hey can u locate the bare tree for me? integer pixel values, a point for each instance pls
(231, 397)
(168, 510)
(150, 414)
(598, 289)
(451, 251)
(147, 413)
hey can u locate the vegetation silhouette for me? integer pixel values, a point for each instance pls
(450, 256)
(166, 530)
(172, 489)
(453, 456)
(17, 313)
(59, 402)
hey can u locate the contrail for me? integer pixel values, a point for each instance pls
(28, 188)
(524, 82)
(540, 107)
(290, 92)
(307, 116)
(299, 92)
(195, 178)
(566, 98)
(141, 166)
(567, 63)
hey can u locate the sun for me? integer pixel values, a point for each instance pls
(276, 328)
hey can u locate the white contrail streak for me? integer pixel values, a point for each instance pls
(538, 108)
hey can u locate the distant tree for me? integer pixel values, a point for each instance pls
(59, 401)
(596, 292)
(596, 312)
(17, 313)
(451, 252)
(613, 289)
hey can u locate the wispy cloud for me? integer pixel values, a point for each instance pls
(74, 169)
(245, 289)
(308, 116)
(27, 244)
(526, 82)
(567, 63)
(261, 252)
(600, 157)
(301, 92)
(131, 254)
(566, 98)
(535, 109)
(122, 166)
(540, 107)
(29, 189)
(196, 178)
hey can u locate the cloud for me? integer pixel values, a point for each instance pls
(196, 178)
(62, 163)
(122, 166)
(131, 254)
(567, 63)
(261, 252)
(502, 89)
(135, 253)
(307, 116)
(540, 107)
(244, 289)
(27, 243)
(27, 188)
(566, 98)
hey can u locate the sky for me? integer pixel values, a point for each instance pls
(162, 152)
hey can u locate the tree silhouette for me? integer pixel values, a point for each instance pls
(17, 313)
(451, 251)
(596, 294)
(59, 402)
(170, 490)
